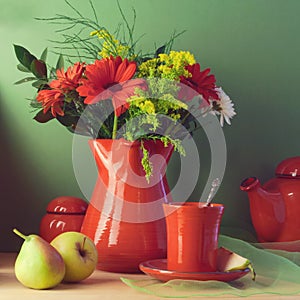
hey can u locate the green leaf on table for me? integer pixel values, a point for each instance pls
(24, 56)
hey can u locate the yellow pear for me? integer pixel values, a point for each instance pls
(38, 265)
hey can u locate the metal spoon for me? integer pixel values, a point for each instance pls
(214, 185)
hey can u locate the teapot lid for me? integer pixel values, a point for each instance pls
(67, 205)
(289, 167)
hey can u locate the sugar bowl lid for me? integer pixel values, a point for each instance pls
(289, 167)
(67, 205)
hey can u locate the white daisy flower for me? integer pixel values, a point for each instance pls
(223, 107)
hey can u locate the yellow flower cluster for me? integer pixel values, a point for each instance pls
(167, 105)
(110, 45)
(149, 68)
(173, 64)
(145, 105)
(170, 66)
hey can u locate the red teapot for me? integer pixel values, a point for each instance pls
(275, 205)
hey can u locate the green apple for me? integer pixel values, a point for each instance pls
(79, 254)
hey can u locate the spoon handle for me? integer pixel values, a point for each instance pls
(215, 184)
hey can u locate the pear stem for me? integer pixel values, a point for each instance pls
(17, 232)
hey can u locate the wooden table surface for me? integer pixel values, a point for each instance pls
(100, 285)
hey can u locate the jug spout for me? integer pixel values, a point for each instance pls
(267, 209)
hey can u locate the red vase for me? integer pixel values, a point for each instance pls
(125, 217)
(193, 231)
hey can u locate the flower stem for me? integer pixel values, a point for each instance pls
(115, 127)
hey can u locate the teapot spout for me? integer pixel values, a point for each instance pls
(266, 207)
(250, 184)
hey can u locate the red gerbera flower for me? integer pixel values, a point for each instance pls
(109, 78)
(200, 82)
(51, 99)
(68, 80)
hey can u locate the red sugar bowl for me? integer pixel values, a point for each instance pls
(64, 213)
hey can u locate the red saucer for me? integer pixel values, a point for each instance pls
(157, 268)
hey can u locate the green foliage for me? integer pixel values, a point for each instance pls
(26, 79)
(60, 62)
(29, 63)
(42, 117)
(21, 68)
(155, 114)
(147, 165)
(24, 56)
(44, 55)
(177, 144)
(38, 68)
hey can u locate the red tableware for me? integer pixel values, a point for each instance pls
(275, 205)
(192, 235)
(64, 213)
(158, 269)
(125, 218)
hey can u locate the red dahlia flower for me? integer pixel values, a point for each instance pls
(201, 82)
(109, 78)
(51, 99)
(68, 80)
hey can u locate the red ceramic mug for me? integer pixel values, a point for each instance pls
(192, 236)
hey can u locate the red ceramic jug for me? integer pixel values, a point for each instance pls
(125, 217)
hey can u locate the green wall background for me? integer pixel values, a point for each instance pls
(252, 46)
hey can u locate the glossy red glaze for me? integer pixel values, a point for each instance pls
(275, 205)
(67, 205)
(158, 269)
(64, 213)
(193, 231)
(125, 218)
(289, 167)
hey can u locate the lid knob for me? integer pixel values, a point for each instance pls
(67, 205)
(289, 167)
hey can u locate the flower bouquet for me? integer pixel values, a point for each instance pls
(109, 90)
